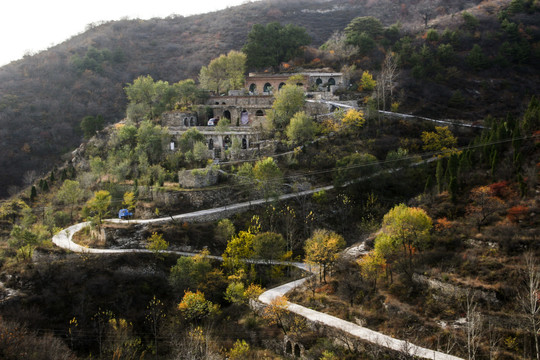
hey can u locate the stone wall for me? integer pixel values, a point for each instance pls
(198, 178)
(179, 119)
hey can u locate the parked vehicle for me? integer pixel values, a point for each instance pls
(124, 214)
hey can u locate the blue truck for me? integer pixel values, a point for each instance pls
(124, 214)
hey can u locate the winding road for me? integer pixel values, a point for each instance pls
(63, 239)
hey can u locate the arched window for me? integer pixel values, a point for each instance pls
(299, 84)
(259, 113)
(227, 114)
(288, 348)
(186, 121)
(244, 143)
(281, 85)
(252, 88)
(217, 103)
(267, 88)
(193, 121)
(318, 81)
(331, 82)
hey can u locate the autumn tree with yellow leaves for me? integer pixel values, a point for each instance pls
(322, 249)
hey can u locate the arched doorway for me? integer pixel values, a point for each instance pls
(331, 82)
(288, 347)
(244, 118)
(296, 350)
(227, 114)
(226, 142)
(186, 121)
(259, 113)
(267, 88)
(244, 143)
(252, 88)
(211, 144)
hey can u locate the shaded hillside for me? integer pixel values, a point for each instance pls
(44, 97)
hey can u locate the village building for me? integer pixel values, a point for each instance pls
(246, 110)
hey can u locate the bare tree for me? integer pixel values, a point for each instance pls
(528, 297)
(474, 324)
(387, 78)
(494, 339)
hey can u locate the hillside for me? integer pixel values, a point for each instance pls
(44, 97)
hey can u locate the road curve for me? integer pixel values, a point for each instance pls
(64, 239)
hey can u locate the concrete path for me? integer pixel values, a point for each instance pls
(64, 240)
(400, 115)
(357, 331)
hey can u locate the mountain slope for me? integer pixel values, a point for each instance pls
(44, 97)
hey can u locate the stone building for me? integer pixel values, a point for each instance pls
(246, 109)
(267, 84)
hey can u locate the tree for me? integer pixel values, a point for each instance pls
(268, 176)
(531, 118)
(224, 73)
(484, 205)
(148, 99)
(440, 141)
(367, 82)
(155, 316)
(70, 193)
(129, 200)
(189, 138)
(190, 273)
(528, 298)
(269, 246)
(239, 351)
(337, 45)
(188, 93)
(371, 266)
(152, 140)
(387, 78)
(238, 249)
(323, 248)
(33, 193)
(90, 125)
(477, 59)
(288, 101)
(276, 313)
(368, 25)
(194, 307)
(473, 325)
(405, 231)
(353, 120)
(224, 231)
(157, 244)
(301, 128)
(272, 44)
(98, 206)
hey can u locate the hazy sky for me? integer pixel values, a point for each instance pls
(35, 25)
